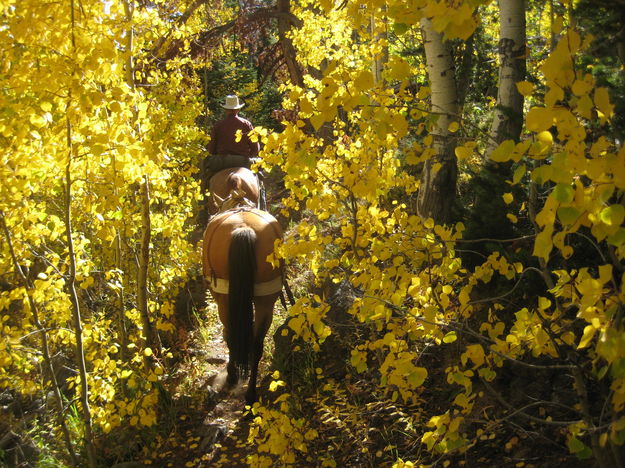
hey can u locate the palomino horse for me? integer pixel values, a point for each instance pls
(232, 182)
(244, 284)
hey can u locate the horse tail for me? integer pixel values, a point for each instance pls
(242, 265)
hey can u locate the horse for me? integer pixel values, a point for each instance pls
(243, 283)
(232, 182)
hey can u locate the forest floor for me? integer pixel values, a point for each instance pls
(212, 420)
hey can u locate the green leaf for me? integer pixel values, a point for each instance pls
(564, 193)
(400, 28)
(618, 238)
(575, 445)
(613, 215)
(519, 172)
(567, 215)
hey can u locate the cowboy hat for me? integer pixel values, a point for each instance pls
(232, 102)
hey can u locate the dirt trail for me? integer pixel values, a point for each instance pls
(211, 421)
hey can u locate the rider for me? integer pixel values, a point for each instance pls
(224, 148)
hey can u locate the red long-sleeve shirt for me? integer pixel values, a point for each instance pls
(223, 137)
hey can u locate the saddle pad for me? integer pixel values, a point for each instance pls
(220, 286)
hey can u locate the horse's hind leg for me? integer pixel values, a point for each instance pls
(263, 306)
(222, 308)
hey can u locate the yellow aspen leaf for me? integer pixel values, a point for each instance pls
(603, 439)
(503, 152)
(462, 152)
(539, 119)
(519, 172)
(87, 282)
(554, 95)
(453, 127)
(567, 251)
(589, 333)
(424, 91)
(450, 337)
(147, 352)
(513, 219)
(364, 80)
(475, 353)
(417, 376)
(275, 384)
(581, 87)
(573, 40)
(584, 106)
(543, 244)
(525, 88)
(558, 24)
(317, 121)
(37, 120)
(305, 106)
(545, 137)
(602, 101)
(508, 198)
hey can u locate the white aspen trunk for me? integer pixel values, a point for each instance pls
(71, 277)
(76, 311)
(489, 219)
(143, 260)
(438, 181)
(508, 119)
(379, 33)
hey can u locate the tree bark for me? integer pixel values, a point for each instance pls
(285, 23)
(379, 33)
(143, 269)
(508, 120)
(437, 191)
(76, 312)
(143, 260)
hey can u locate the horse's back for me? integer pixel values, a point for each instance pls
(218, 236)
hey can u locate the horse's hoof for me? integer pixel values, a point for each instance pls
(233, 375)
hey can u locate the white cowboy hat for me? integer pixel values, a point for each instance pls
(232, 102)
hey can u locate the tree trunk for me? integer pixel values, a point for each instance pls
(379, 33)
(143, 260)
(143, 269)
(489, 218)
(76, 312)
(438, 181)
(508, 119)
(285, 23)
